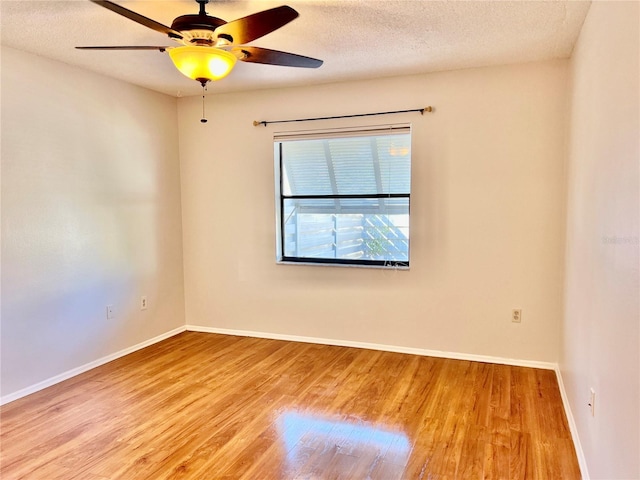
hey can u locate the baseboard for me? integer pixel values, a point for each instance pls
(582, 461)
(378, 346)
(88, 366)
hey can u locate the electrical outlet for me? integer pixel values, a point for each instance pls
(516, 316)
(110, 313)
(592, 401)
(143, 302)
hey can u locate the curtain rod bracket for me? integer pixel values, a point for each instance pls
(266, 122)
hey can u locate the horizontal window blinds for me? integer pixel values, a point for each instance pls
(371, 165)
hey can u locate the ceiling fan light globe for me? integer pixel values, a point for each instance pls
(202, 62)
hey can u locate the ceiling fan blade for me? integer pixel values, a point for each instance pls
(136, 17)
(274, 57)
(126, 47)
(247, 29)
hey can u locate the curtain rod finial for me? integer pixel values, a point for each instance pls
(427, 109)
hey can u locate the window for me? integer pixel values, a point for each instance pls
(343, 198)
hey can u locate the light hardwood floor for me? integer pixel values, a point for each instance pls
(205, 406)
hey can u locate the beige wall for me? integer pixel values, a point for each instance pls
(90, 217)
(486, 226)
(601, 329)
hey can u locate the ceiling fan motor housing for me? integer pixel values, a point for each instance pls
(199, 29)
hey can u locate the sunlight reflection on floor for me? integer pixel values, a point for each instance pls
(317, 441)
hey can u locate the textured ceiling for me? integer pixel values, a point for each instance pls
(357, 39)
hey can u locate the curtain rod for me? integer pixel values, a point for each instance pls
(267, 122)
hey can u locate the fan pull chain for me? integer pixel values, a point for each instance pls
(204, 89)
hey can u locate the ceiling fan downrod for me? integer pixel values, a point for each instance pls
(202, 3)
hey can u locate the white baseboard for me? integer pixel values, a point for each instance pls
(378, 346)
(88, 366)
(582, 461)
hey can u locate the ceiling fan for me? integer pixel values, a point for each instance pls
(210, 46)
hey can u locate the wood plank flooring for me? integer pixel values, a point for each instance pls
(205, 406)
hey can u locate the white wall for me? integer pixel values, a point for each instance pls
(486, 215)
(601, 329)
(90, 217)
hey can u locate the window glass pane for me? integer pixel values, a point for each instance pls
(353, 164)
(325, 229)
(306, 168)
(395, 163)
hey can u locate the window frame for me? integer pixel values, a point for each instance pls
(280, 197)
